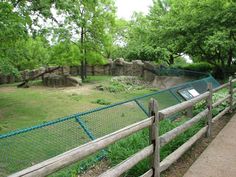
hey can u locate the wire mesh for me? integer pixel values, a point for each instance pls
(23, 148)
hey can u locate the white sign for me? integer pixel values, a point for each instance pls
(193, 92)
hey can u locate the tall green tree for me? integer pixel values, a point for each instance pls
(204, 29)
(12, 29)
(91, 21)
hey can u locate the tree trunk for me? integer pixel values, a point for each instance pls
(24, 84)
(171, 60)
(82, 70)
(85, 64)
(230, 57)
(82, 52)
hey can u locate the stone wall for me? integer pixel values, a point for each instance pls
(118, 67)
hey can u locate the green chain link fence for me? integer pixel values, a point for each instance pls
(22, 148)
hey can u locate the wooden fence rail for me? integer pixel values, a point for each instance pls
(156, 142)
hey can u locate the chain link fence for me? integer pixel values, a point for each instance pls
(23, 148)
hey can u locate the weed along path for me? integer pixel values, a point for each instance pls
(219, 159)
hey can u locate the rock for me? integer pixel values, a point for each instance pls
(55, 80)
(75, 70)
(119, 61)
(100, 87)
(73, 81)
(137, 68)
(148, 75)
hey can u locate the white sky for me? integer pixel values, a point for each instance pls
(125, 8)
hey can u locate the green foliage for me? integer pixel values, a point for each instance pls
(85, 33)
(12, 29)
(101, 101)
(32, 54)
(115, 87)
(119, 151)
(65, 54)
(200, 67)
(208, 37)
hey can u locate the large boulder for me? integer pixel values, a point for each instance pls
(54, 80)
(137, 68)
(148, 74)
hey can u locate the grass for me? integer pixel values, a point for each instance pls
(21, 108)
(119, 151)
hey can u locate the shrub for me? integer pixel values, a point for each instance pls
(101, 102)
(200, 67)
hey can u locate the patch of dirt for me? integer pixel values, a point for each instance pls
(86, 89)
(180, 167)
(164, 82)
(96, 170)
(7, 89)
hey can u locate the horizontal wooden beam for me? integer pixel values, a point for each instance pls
(173, 157)
(56, 163)
(220, 101)
(149, 173)
(129, 163)
(221, 87)
(181, 106)
(234, 90)
(167, 137)
(234, 80)
(219, 115)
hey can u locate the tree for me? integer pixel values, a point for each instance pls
(91, 22)
(205, 29)
(12, 29)
(87, 27)
(60, 57)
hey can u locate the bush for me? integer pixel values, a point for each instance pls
(199, 67)
(101, 102)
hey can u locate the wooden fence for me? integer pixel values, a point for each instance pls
(156, 142)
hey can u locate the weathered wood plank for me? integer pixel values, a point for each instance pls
(234, 90)
(56, 163)
(173, 157)
(209, 107)
(149, 173)
(234, 80)
(218, 116)
(167, 137)
(153, 137)
(181, 106)
(129, 163)
(217, 103)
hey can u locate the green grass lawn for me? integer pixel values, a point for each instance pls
(21, 108)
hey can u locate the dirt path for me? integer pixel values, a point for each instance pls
(219, 159)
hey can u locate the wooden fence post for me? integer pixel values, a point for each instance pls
(154, 137)
(231, 94)
(209, 106)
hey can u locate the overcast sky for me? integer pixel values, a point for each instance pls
(125, 8)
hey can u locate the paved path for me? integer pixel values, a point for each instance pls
(219, 158)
